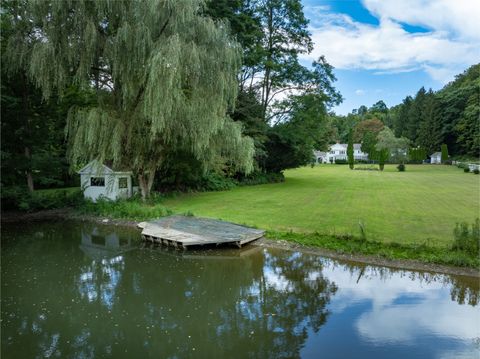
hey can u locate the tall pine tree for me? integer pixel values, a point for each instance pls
(414, 115)
(430, 129)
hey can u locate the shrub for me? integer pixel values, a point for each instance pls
(216, 182)
(466, 240)
(476, 171)
(341, 162)
(401, 167)
(21, 199)
(466, 170)
(132, 208)
(261, 178)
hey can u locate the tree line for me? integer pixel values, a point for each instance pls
(428, 120)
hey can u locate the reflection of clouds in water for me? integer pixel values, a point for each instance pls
(405, 322)
(431, 312)
(93, 284)
(372, 287)
(276, 280)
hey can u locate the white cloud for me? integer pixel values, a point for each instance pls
(460, 18)
(387, 48)
(359, 92)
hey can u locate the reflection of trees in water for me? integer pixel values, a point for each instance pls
(462, 289)
(87, 303)
(232, 307)
(288, 298)
(60, 301)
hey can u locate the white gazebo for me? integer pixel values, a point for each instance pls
(97, 180)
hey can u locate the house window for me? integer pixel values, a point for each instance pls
(332, 152)
(97, 181)
(342, 152)
(123, 182)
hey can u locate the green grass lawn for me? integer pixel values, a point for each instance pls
(421, 205)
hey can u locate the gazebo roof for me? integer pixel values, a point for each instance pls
(95, 167)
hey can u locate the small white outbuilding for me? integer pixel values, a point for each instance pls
(97, 180)
(436, 157)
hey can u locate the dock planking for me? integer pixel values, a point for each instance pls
(186, 231)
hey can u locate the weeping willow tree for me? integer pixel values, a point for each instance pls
(164, 74)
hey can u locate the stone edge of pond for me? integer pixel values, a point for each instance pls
(405, 264)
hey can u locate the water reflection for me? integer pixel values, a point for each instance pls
(91, 291)
(99, 279)
(403, 309)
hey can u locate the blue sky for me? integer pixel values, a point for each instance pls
(388, 49)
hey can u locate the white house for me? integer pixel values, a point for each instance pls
(472, 167)
(98, 180)
(338, 151)
(436, 157)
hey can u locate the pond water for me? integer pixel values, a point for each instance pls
(82, 290)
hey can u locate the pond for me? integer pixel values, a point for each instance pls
(83, 290)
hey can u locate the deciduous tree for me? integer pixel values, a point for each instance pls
(164, 73)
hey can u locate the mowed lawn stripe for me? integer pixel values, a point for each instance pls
(423, 203)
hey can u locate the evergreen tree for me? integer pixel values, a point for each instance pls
(444, 150)
(456, 100)
(468, 127)
(430, 130)
(171, 92)
(414, 115)
(401, 120)
(382, 156)
(350, 150)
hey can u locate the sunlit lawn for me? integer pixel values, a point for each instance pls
(421, 204)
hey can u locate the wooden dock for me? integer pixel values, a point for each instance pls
(184, 232)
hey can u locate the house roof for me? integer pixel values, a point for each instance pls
(95, 167)
(356, 146)
(436, 154)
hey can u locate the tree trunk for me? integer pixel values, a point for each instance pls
(145, 181)
(28, 172)
(28, 135)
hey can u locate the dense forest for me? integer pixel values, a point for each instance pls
(427, 119)
(66, 102)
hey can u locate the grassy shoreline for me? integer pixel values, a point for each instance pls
(387, 215)
(389, 251)
(356, 248)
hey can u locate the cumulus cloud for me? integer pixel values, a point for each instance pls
(450, 45)
(459, 18)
